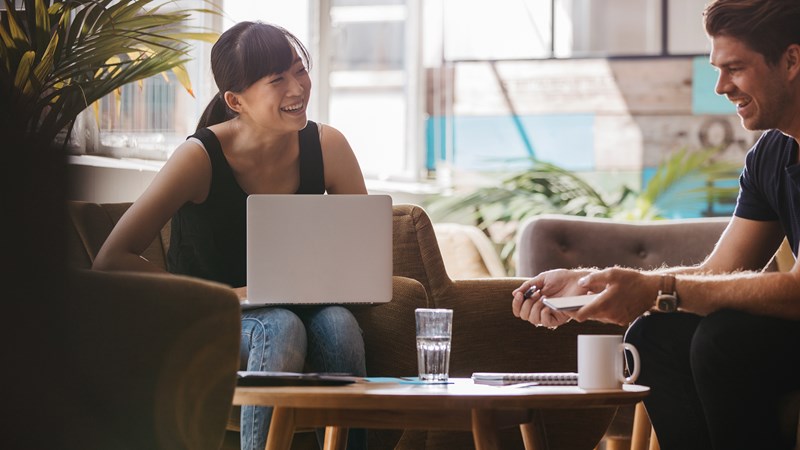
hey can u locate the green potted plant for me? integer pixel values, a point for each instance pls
(549, 189)
(55, 61)
(59, 58)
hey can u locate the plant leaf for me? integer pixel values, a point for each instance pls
(21, 81)
(183, 78)
(15, 30)
(42, 29)
(45, 65)
(210, 38)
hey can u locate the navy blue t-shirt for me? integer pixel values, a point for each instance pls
(769, 187)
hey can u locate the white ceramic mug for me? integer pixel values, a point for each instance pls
(601, 362)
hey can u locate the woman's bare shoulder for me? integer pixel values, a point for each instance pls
(331, 138)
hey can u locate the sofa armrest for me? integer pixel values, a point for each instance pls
(152, 360)
(390, 331)
(482, 307)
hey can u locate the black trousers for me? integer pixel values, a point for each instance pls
(717, 381)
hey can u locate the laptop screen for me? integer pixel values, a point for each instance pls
(319, 249)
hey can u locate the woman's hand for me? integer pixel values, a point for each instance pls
(241, 292)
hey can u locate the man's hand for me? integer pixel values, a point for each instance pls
(553, 283)
(625, 294)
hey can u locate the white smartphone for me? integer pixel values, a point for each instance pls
(569, 303)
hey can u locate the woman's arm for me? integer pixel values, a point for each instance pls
(342, 172)
(185, 177)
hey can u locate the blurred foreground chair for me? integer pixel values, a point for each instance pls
(555, 241)
(144, 366)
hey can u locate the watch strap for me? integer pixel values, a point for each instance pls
(667, 299)
(667, 284)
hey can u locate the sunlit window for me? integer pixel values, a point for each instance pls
(383, 69)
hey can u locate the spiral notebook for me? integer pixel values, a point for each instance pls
(542, 378)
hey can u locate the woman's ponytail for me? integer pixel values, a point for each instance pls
(216, 112)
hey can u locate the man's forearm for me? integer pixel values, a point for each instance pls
(775, 294)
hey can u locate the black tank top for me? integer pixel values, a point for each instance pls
(208, 240)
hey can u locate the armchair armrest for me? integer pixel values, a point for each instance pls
(483, 308)
(390, 331)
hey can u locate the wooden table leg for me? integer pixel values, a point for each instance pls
(533, 433)
(484, 431)
(335, 438)
(281, 429)
(640, 436)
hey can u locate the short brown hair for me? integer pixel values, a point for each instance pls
(766, 26)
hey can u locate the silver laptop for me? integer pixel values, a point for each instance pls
(318, 249)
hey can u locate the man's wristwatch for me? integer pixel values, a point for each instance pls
(667, 300)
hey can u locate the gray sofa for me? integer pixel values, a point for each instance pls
(555, 241)
(552, 241)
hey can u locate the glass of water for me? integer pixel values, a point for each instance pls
(434, 330)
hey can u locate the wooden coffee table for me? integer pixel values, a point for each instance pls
(461, 405)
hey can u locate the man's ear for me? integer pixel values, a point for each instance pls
(232, 100)
(792, 61)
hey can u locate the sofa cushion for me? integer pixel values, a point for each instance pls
(467, 252)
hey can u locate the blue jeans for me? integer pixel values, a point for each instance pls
(316, 339)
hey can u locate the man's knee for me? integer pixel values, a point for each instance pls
(654, 329)
(724, 340)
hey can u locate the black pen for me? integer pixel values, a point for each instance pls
(529, 292)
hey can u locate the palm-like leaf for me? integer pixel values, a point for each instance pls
(684, 165)
(59, 59)
(547, 188)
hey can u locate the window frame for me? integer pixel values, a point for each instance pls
(320, 30)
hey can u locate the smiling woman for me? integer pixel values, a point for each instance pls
(254, 138)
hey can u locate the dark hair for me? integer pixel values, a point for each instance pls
(244, 54)
(768, 27)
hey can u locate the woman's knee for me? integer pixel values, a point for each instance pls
(275, 339)
(334, 322)
(335, 341)
(273, 325)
